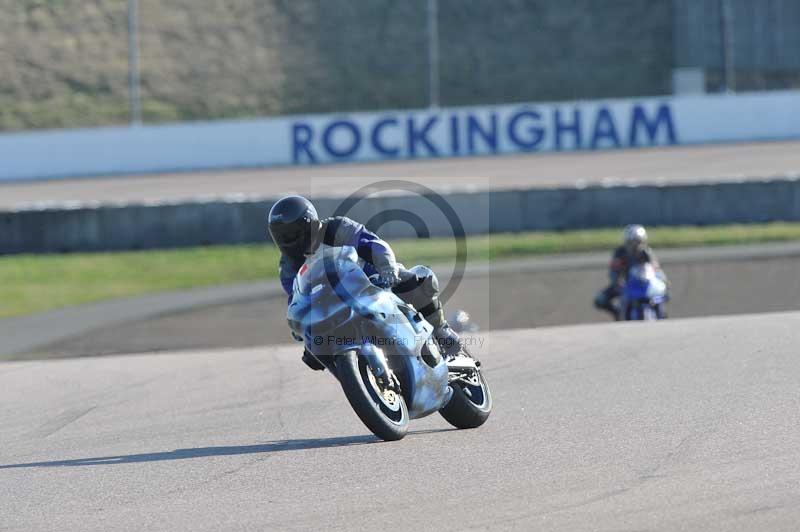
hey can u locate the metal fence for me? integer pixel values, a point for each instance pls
(740, 44)
(96, 62)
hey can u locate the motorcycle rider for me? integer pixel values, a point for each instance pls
(634, 250)
(298, 232)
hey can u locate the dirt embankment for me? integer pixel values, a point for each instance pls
(64, 63)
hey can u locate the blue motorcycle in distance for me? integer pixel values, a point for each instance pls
(381, 349)
(644, 294)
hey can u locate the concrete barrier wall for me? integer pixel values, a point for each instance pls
(407, 134)
(218, 222)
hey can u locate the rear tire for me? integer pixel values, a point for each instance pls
(388, 420)
(470, 405)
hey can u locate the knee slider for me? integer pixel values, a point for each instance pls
(601, 300)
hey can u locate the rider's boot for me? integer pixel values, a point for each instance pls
(611, 308)
(446, 338)
(604, 300)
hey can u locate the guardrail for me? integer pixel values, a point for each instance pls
(145, 226)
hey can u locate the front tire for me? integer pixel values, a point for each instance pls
(385, 414)
(470, 405)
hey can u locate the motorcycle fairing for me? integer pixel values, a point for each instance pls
(335, 308)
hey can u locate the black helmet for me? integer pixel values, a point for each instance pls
(294, 226)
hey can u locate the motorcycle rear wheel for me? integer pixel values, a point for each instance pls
(384, 412)
(470, 405)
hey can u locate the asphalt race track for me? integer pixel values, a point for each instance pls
(688, 424)
(678, 425)
(684, 164)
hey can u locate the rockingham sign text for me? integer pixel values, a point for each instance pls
(482, 131)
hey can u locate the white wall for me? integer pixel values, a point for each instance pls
(445, 132)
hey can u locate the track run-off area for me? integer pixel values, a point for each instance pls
(664, 165)
(505, 294)
(676, 425)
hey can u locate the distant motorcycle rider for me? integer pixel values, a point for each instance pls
(634, 250)
(298, 232)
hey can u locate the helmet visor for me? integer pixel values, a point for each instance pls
(297, 238)
(287, 236)
(635, 246)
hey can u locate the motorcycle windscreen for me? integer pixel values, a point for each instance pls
(325, 268)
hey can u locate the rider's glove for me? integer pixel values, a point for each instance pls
(297, 337)
(388, 276)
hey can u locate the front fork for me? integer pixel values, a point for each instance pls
(376, 360)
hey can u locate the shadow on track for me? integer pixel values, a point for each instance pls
(202, 452)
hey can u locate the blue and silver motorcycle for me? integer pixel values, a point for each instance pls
(644, 295)
(381, 349)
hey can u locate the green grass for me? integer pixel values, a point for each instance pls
(35, 283)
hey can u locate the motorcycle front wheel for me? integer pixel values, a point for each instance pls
(382, 410)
